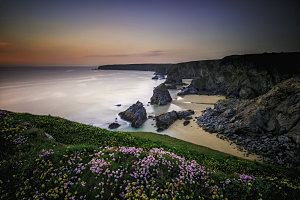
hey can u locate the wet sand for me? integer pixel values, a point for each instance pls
(194, 134)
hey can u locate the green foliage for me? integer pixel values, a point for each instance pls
(24, 169)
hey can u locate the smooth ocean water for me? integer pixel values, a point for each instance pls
(79, 94)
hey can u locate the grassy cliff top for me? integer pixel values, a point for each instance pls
(87, 162)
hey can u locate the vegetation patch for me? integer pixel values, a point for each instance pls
(85, 162)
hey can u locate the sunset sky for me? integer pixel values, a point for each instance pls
(91, 33)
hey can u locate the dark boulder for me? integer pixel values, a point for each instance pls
(188, 118)
(161, 95)
(185, 123)
(163, 121)
(114, 125)
(136, 114)
(186, 113)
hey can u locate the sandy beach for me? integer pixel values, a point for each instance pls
(194, 134)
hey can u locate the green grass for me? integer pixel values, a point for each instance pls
(71, 138)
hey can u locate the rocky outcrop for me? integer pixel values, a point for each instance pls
(240, 76)
(268, 125)
(184, 114)
(136, 114)
(159, 69)
(161, 95)
(114, 125)
(185, 123)
(165, 120)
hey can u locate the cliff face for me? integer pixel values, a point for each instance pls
(195, 69)
(268, 125)
(158, 68)
(243, 76)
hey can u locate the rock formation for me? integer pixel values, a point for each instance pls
(114, 125)
(185, 123)
(161, 95)
(268, 125)
(136, 114)
(159, 69)
(263, 114)
(163, 121)
(240, 76)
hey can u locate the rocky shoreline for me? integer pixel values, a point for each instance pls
(267, 125)
(262, 114)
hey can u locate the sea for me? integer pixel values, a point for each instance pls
(80, 94)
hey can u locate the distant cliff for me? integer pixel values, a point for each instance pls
(158, 68)
(242, 76)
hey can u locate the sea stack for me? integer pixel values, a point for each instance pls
(136, 114)
(161, 95)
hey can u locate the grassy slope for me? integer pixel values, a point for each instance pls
(87, 138)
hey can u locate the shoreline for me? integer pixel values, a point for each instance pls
(194, 134)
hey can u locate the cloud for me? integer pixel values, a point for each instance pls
(5, 44)
(5, 47)
(146, 54)
(153, 53)
(107, 56)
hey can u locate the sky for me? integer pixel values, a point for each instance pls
(98, 32)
